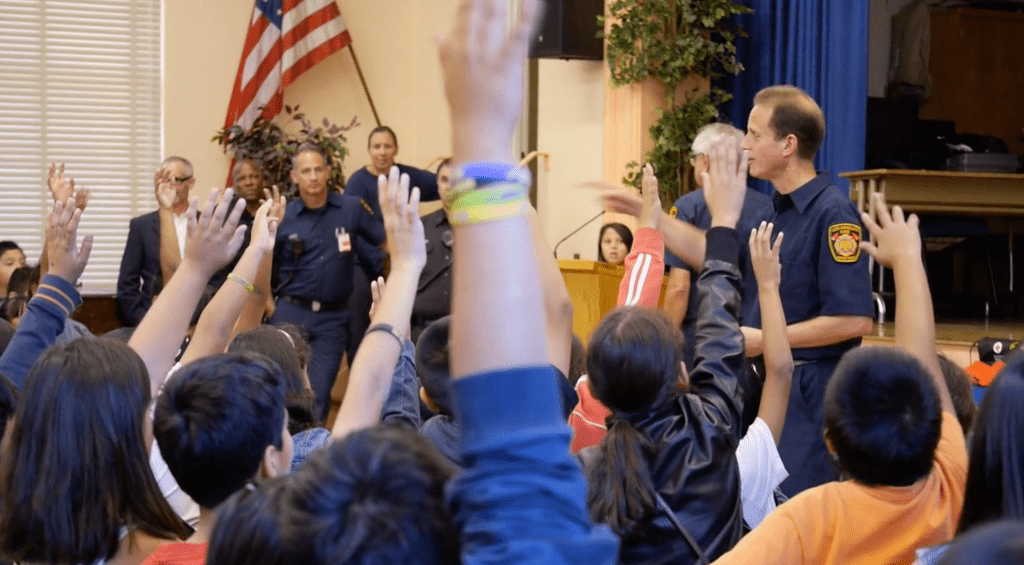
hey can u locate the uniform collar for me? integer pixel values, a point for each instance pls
(333, 199)
(803, 196)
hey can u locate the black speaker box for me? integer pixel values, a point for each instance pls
(569, 31)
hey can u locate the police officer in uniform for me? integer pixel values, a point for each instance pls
(434, 294)
(314, 258)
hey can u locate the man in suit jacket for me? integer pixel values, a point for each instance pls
(140, 276)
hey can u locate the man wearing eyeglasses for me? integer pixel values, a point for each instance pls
(140, 277)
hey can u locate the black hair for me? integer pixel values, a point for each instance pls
(374, 496)
(382, 129)
(633, 365)
(6, 333)
(215, 419)
(8, 245)
(23, 279)
(998, 543)
(995, 472)
(8, 402)
(624, 233)
(446, 162)
(433, 364)
(960, 391)
(577, 360)
(15, 307)
(883, 416)
(247, 529)
(279, 346)
(78, 471)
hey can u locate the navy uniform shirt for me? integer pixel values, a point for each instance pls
(824, 272)
(434, 293)
(311, 259)
(693, 209)
(363, 184)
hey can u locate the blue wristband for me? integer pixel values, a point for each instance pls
(489, 173)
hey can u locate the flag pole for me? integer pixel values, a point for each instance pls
(366, 89)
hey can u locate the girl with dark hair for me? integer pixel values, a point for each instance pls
(76, 484)
(665, 478)
(383, 147)
(282, 346)
(614, 243)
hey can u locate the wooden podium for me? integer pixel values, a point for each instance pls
(594, 290)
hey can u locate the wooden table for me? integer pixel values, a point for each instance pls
(946, 192)
(940, 192)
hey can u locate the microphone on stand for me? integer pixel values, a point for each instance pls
(574, 232)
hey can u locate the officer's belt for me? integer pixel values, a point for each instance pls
(315, 305)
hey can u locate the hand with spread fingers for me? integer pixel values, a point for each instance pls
(62, 188)
(214, 239)
(66, 258)
(264, 228)
(725, 183)
(765, 257)
(164, 190)
(483, 77)
(650, 212)
(400, 208)
(893, 237)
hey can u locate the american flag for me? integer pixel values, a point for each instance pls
(286, 38)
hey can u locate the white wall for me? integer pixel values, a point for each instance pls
(570, 127)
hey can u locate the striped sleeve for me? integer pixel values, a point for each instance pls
(645, 267)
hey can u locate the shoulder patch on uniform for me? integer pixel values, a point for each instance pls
(366, 206)
(844, 242)
(674, 211)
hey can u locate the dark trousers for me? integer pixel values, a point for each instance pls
(359, 303)
(328, 336)
(802, 446)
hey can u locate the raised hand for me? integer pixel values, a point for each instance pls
(264, 227)
(214, 239)
(164, 190)
(893, 237)
(764, 256)
(650, 211)
(62, 188)
(619, 199)
(66, 259)
(400, 210)
(376, 291)
(483, 76)
(725, 184)
(278, 202)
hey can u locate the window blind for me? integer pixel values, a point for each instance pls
(80, 83)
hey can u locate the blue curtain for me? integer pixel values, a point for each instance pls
(820, 46)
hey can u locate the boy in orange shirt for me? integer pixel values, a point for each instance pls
(892, 426)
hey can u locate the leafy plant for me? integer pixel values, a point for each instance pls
(672, 41)
(272, 147)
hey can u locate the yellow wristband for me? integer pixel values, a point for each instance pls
(245, 284)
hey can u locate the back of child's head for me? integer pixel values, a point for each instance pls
(24, 281)
(215, 419)
(577, 360)
(375, 496)
(8, 403)
(279, 347)
(995, 473)
(634, 359)
(433, 364)
(883, 416)
(960, 390)
(996, 543)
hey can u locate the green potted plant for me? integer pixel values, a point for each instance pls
(270, 145)
(672, 41)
